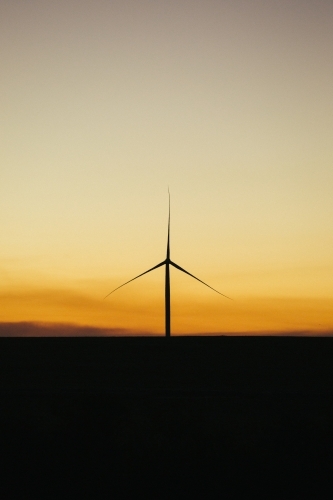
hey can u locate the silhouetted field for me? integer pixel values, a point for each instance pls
(161, 417)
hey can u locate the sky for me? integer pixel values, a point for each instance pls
(107, 103)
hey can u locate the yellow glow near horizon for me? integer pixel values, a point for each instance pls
(139, 308)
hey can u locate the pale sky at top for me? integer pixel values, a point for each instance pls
(106, 103)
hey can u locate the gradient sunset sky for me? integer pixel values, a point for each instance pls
(107, 103)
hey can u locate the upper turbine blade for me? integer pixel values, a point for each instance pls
(168, 243)
(155, 267)
(181, 269)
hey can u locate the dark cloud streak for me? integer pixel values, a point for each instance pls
(36, 329)
(32, 329)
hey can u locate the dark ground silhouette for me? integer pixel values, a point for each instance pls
(163, 418)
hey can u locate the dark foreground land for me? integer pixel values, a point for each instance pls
(218, 417)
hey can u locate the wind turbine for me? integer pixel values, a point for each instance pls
(167, 263)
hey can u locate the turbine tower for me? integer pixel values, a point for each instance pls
(167, 263)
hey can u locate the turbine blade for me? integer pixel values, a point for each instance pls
(168, 243)
(155, 267)
(186, 272)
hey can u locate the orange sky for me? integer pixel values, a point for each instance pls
(139, 308)
(105, 104)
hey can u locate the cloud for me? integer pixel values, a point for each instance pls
(35, 329)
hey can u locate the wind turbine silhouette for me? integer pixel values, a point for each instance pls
(167, 263)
